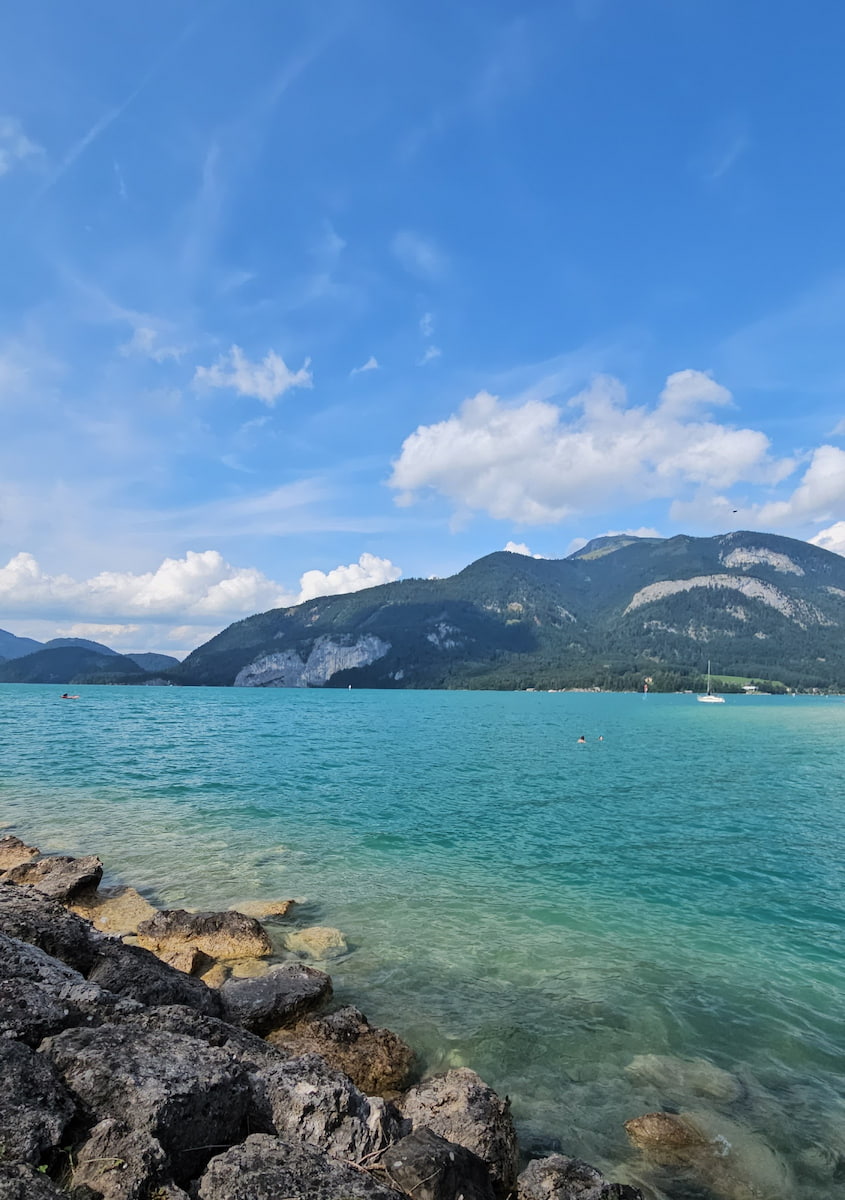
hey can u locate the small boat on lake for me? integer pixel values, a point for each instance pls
(708, 697)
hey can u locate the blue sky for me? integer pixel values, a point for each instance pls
(297, 297)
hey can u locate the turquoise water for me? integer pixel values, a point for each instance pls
(541, 911)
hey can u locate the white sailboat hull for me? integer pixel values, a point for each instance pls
(711, 699)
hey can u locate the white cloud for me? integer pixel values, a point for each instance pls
(369, 571)
(419, 255)
(431, 353)
(521, 548)
(264, 381)
(838, 429)
(538, 462)
(427, 325)
(111, 635)
(145, 342)
(15, 146)
(370, 365)
(832, 538)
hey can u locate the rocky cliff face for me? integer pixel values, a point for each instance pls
(327, 657)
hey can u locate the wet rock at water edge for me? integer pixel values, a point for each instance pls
(270, 1168)
(14, 852)
(117, 910)
(427, 1167)
(21, 1182)
(320, 942)
(139, 975)
(462, 1108)
(561, 1178)
(376, 1060)
(218, 934)
(304, 1100)
(276, 999)
(187, 1095)
(60, 878)
(30, 916)
(262, 909)
(665, 1137)
(35, 1106)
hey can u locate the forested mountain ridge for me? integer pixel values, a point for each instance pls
(618, 610)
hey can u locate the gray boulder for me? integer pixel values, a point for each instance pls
(21, 1182)
(217, 934)
(60, 877)
(463, 1109)
(428, 1167)
(28, 915)
(268, 1168)
(560, 1178)
(376, 1060)
(304, 1100)
(13, 852)
(188, 1096)
(137, 974)
(278, 998)
(251, 1051)
(119, 1163)
(35, 1106)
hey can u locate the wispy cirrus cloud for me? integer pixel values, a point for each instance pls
(15, 147)
(370, 365)
(419, 255)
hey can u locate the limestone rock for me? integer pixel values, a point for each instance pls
(217, 934)
(21, 1182)
(560, 1178)
(248, 968)
(119, 1163)
(319, 942)
(215, 976)
(117, 910)
(463, 1109)
(60, 877)
(665, 1137)
(14, 852)
(278, 998)
(428, 1167)
(268, 1168)
(265, 908)
(28, 915)
(249, 1050)
(376, 1060)
(184, 1093)
(137, 974)
(304, 1100)
(679, 1078)
(35, 1106)
(190, 961)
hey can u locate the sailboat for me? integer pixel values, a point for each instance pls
(708, 697)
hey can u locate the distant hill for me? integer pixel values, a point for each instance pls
(69, 665)
(16, 647)
(621, 609)
(80, 643)
(154, 662)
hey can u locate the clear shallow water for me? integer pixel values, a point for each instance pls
(541, 911)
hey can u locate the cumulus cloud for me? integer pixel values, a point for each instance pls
(201, 588)
(521, 548)
(537, 462)
(370, 365)
(419, 255)
(264, 381)
(832, 538)
(15, 146)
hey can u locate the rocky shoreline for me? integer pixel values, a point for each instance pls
(171, 1055)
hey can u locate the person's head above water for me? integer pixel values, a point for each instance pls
(582, 738)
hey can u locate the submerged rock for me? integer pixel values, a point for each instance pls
(265, 908)
(303, 1099)
(269, 1168)
(278, 998)
(14, 852)
(35, 1106)
(428, 1167)
(684, 1077)
(118, 910)
(319, 942)
(561, 1178)
(462, 1108)
(376, 1060)
(218, 934)
(665, 1137)
(60, 877)
(187, 1095)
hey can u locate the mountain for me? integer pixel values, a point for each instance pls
(15, 647)
(622, 608)
(80, 643)
(70, 664)
(154, 662)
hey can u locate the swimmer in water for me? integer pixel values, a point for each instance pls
(65, 696)
(582, 740)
